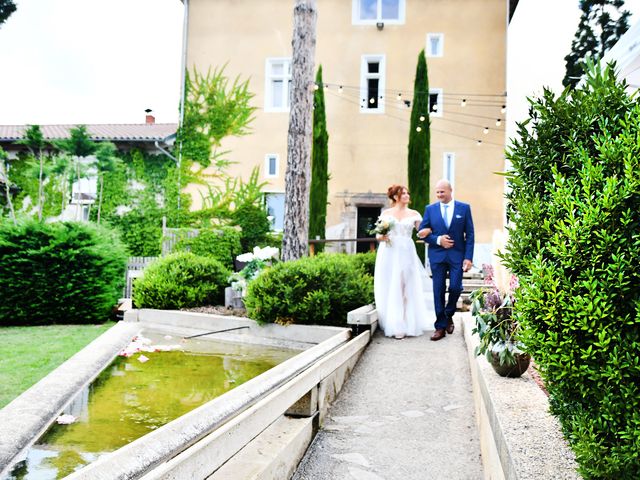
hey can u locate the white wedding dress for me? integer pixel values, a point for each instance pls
(399, 282)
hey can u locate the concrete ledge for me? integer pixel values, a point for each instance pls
(26, 417)
(519, 438)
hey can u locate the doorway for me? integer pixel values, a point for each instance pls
(367, 217)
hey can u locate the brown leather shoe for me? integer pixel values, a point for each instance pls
(438, 334)
(451, 326)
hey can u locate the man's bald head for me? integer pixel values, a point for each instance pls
(444, 192)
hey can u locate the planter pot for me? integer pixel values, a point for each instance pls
(514, 370)
(232, 299)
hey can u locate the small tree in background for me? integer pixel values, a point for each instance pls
(34, 140)
(319, 167)
(4, 160)
(419, 157)
(602, 23)
(574, 200)
(7, 7)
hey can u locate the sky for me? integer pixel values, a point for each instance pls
(106, 61)
(90, 61)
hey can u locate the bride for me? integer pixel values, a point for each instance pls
(399, 276)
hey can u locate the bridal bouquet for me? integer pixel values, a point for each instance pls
(382, 227)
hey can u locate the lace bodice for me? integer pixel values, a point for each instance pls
(404, 227)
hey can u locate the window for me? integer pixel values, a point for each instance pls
(274, 202)
(278, 85)
(435, 44)
(370, 12)
(271, 165)
(372, 84)
(449, 167)
(436, 102)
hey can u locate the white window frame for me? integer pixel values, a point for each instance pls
(286, 79)
(267, 162)
(273, 221)
(449, 167)
(356, 20)
(440, 111)
(440, 52)
(365, 75)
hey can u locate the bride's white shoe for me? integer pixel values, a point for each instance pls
(400, 337)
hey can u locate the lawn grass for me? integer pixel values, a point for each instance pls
(28, 354)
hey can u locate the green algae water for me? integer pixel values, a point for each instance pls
(130, 398)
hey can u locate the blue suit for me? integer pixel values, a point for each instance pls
(448, 260)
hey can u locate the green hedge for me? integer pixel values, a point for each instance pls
(312, 290)
(222, 243)
(575, 202)
(58, 273)
(181, 280)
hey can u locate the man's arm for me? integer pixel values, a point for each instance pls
(469, 236)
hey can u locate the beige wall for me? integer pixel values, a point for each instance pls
(367, 152)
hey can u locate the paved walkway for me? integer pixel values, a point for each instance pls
(405, 413)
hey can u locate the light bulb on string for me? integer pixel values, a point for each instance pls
(340, 89)
(434, 107)
(463, 103)
(422, 118)
(326, 86)
(479, 143)
(418, 129)
(503, 109)
(399, 97)
(372, 100)
(315, 86)
(485, 130)
(498, 122)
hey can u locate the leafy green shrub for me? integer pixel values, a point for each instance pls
(181, 280)
(255, 225)
(366, 261)
(58, 273)
(222, 243)
(575, 202)
(312, 290)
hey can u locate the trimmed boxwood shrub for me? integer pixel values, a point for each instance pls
(181, 280)
(255, 226)
(311, 290)
(367, 261)
(58, 273)
(575, 202)
(222, 243)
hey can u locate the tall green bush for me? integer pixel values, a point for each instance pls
(254, 223)
(58, 273)
(181, 280)
(319, 191)
(311, 290)
(575, 202)
(222, 243)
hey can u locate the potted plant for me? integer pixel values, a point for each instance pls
(497, 329)
(253, 263)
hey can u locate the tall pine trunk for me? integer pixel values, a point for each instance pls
(419, 161)
(297, 177)
(40, 186)
(319, 167)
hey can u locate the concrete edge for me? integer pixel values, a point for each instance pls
(24, 419)
(519, 438)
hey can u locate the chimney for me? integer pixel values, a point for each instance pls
(149, 119)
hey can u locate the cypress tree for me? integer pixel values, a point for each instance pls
(597, 32)
(319, 167)
(419, 159)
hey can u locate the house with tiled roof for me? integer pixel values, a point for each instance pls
(150, 137)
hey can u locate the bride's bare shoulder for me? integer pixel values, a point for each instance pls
(386, 212)
(415, 212)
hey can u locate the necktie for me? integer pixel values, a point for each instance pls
(445, 216)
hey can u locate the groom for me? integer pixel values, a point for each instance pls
(450, 252)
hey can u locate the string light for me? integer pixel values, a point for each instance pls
(372, 100)
(399, 97)
(486, 130)
(422, 118)
(463, 103)
(326, 86)
(418, 129)
(434, 107)
(479, 143)
(315, 86)
(503, 109)
(498, 122)
(340, 89)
